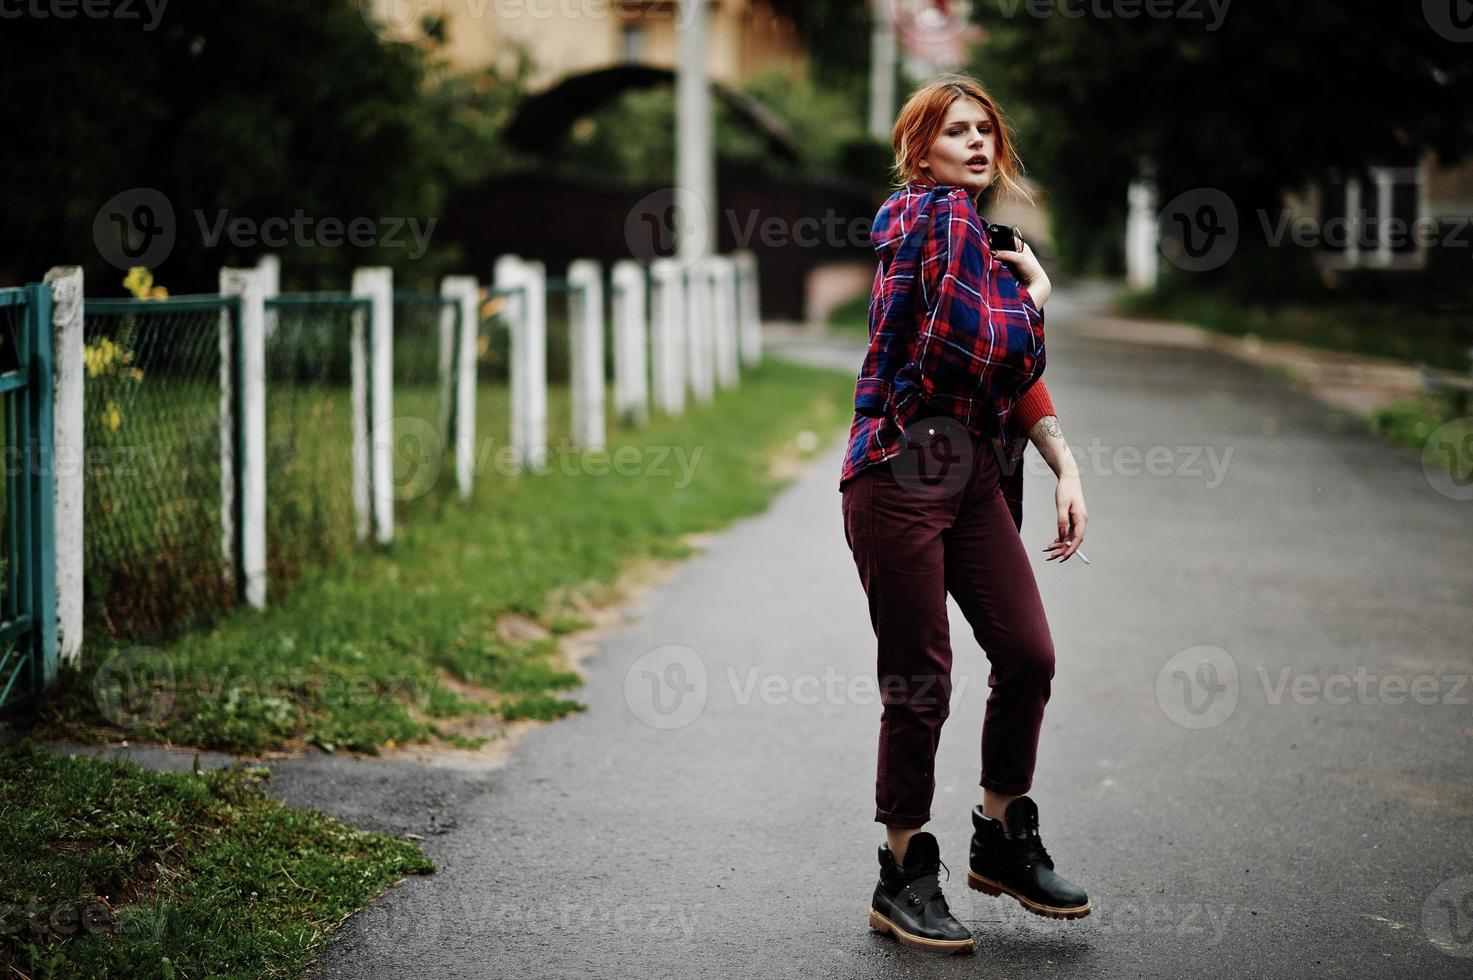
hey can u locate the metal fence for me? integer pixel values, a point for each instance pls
(159, 477)
(28, 658)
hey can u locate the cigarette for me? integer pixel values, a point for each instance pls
(1082, 558)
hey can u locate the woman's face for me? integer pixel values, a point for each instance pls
(962, 153)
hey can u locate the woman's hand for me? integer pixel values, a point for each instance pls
(1069, 499)
(1028, 272)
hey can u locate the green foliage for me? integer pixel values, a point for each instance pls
(261, 110)
(1264, 101)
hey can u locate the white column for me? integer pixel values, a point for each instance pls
(445, 373)
(1384, 178)
(1142, 235)
(699, 347)
(694, 169)
(587, 326)
(631, 330)
(466, 293)
(1352, 221)
(68, 382)
(376, 284)
(724, 318)
(528, 357)
(269, 267)
(668, 343)
(882, 69)
(749, 323)
(536, 353)
(247, 284)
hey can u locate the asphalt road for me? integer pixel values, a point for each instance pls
(1258, 756)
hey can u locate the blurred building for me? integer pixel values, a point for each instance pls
(569, 37)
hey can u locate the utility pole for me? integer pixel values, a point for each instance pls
(882, 70)
(695, 192)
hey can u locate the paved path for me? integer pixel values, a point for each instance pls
(1242, 820)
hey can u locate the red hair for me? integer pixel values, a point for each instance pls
(922, 117)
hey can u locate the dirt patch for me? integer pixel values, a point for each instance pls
(603, 609)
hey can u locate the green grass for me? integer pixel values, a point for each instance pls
(1438, 336)
(851, 316)
(378, 647)
(1412, 422)
(115, 871)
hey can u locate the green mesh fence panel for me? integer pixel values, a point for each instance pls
(309, 433)
(423, 468)
(153, 559)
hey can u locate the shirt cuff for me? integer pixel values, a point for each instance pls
(871, 395)
(1034, 404)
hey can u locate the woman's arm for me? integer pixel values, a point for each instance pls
(1069, 495)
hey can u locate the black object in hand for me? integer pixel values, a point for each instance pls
(1005, 238)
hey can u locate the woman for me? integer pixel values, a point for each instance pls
(932, 503)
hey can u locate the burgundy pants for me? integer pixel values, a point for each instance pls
(934, 521)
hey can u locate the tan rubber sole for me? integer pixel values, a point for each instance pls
(879, 923)
(989, 887)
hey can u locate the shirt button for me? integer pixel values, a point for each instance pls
(930, 432)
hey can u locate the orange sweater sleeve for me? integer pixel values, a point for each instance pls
(1034, 405)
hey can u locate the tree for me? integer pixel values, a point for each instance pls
(257, 110)
(1269, 98)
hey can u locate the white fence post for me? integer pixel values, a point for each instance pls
(587, 325)
(668, 342)
(466, 293)
(631, 329)
(1142, 232)
(528, 358)
(68, 381)
(251, 376)
(724, 318)
(698, 316)
(376, 284)
(358, 395)
(750, 305)
(269, 266)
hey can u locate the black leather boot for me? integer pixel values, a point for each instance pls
(1014, 863)
(908, 900)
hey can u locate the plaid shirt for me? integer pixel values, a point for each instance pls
(952, 331)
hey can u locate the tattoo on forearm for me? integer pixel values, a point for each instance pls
(1050, 426)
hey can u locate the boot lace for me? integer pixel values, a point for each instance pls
(1030, 850)
(927, 889)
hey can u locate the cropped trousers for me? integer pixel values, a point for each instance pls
(929, 522)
